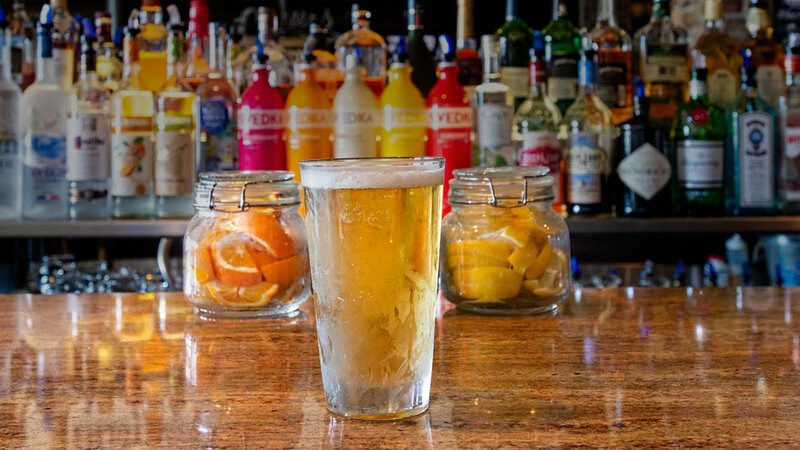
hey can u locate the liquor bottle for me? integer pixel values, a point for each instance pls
(420, 57)
(174, 132)
(562, 43)
(404, 123)
(198, 22)
(109, 67)
(613, 46)
(356, 115)
(216, 146)
(152, 46)
(366, 46)
(662, 53)
(590, 146)
(516, 41)
(10, 130)
(643, 171)
(280, 61)
(470, 66)
(324, 62)
(88, 137)
(44, 132)
(132, 154)
(233, 48)
(698, 137)
(536, 131)
(23, 35)
(764, 53)
(261, 122)
(450, 127)
(197, 66)
(494, 112)
(65, 37)
(789, 110)
(309, 126)
(720, 55)
(752, 157)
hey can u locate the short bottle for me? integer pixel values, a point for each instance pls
(261, 122)
(10, 132)
(404, 123)
(494, 112)
(356, 116)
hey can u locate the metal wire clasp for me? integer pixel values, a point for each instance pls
(243, 204)
(515, 202)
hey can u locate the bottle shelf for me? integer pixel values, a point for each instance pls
(92, 228)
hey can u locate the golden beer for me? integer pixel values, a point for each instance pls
(373, 228)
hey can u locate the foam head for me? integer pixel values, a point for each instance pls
(378, 173)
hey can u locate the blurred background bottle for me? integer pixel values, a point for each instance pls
(65, 39)
(516, 40)
(612, 47)
(23, 36)
(366, 47)
(420, 57)
(494, 114)
(404, 123)
(562, 43)
(10, 130)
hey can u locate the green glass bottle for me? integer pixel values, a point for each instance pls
(698, 137)
(516, 41)
(562, 44)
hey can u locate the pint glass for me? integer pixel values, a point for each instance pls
(373, 227)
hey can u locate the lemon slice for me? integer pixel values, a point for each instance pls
(466, 260)
(491, 249)
(523, 257)
(487, 283)
(538, 267)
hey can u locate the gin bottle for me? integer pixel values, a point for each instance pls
(10, 133)
(44, 123)
(789, 110)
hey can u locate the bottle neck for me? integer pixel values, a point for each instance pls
(88, 65)
(758, 23)
(5, 57)
(641, 106)
(399, 70)
(305, 75)
(448, 71)
(792, 67)
(216, 54)
(538, 78)
(260, 73)
(414, 18)
(698, 89)
(606, 13)
(511, 10)
(45, 66)
(464, 24)
(661, 10)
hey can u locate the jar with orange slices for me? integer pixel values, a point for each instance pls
(504, 249)
(245, 250)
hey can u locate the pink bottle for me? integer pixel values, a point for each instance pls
(261, 122)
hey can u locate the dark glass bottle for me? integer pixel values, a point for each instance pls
(562, 44)
(419, 56)
(516, 41)
(643, 168)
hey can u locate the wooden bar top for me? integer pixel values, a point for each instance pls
(618, 368)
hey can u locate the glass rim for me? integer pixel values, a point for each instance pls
(372, 173)
(380, 162)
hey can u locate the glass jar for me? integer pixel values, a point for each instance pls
(504, 249)
(245, 251)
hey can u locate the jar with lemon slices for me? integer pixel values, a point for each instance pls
(504, 250)
(245, 250)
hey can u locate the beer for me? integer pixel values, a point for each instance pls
(373, 228)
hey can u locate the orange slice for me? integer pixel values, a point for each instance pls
(200, 259)
(265, 229)
(283, 273)
(255, 296)
(261, 256)
(222, 293)
(232, 262)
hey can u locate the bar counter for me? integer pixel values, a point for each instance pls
(620, 368)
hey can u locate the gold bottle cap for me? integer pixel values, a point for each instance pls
(713, 10)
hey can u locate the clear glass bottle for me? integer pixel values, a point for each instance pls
(590, 147)
(10, 133)
(23, 35)
(216, 147)
(109, 67)
(562, 44)
(44, 128)
(752, 156)
(152, 46)
(662, 55)
(516, 41)
(717, 52)
(88, 137)
(65, 39)
(174, 145)
(613, 47)
(764, 52)
(366, 46)
(280, 61)
(789, 110)
(494, 113)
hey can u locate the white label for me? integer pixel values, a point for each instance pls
(756, 162)
(64, 60)
(174, 168)
(447, 118)
(131, 164)
(516, 78)
(646, 171)
(792, 142)
(562, 88)
(494, 125)
(399, 118)
(88, 147)
(586, 166)
(305, 118)
(253, 119)
(770, 82)
(355, 118)
(700, 164)
(722, 88)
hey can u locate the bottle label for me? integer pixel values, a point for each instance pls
(516, 78)
(45, 165)
(756, 160)
(646, 171)
(586, 167)
(174, 155)
(612, 80)
(403, 118)
(792, 142)
(261, 141)
(722, 87)
(449, 137)
(214, 116)
(770, 82)
(89, 147)
(666, 63)
(700, 164)
(304, 118)
(220, 152)
(541, 148)
(494, 125)
(131, 164)
(9, 159)
(354, 133)
(443, 118)
(562, 81)
(63, 60)
(256, 119)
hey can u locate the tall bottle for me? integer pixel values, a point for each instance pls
(450, 127)
(198, 22)
(516, 41)
(404, 123)
(562, 43)
(613, 46)
(590, 147)
(196, 67)
(698, 153)
(109, 67)
(261, 122)
(790, 129)
(720, 55)
(44, 132)
(419, 56)
(356, 116)
(23, 35)
(470, 67)
(643, 170)
(174, 131)
(764, 53)
(536, 127)
(662, 54)
(752, 156)
(216, 146)
(366, 46)
(132, 154)
(494, 114)
(65, 38)
(10, 130)
(152, 46)
(88, 137)
(309, 125)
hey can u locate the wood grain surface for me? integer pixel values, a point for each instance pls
(614, 368)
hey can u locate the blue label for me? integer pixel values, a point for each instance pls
(214, 116)
(587, 72)
(50, 147)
